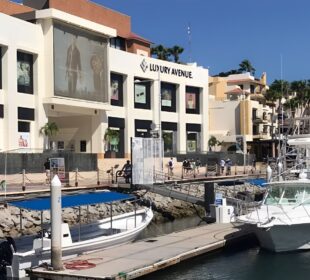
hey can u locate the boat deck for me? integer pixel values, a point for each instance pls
(129, 261)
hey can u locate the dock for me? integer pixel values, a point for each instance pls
(133, 260)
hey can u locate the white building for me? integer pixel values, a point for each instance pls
(107, 80)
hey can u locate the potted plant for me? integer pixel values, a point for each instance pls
(48, 130)
(111, 137)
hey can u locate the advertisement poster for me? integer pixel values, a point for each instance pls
(24, 140)
(166, 98)
(190, 101)
(114, 89)
(191, 145)
(23, 73)
(140, 94)
(80, 65)
(239, 143)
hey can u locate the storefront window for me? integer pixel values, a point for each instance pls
(24, 73)
(192, 142)
(0, 68)
(116, 86)
(23, 134)
(168, 97)
(142, 94)
(168, 141)
(192, 100)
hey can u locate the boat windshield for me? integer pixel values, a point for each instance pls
(287, 195)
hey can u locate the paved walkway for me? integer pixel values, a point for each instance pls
(133, 260)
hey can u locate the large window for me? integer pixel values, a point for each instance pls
(80, 64)
(24, 72)
(168, 97)
(116, 84)
(192, 100)
(118, 43)
(193, 137)
(142, 94)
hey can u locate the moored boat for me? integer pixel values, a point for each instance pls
(33, 251)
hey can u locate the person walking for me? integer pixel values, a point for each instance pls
(228, 166)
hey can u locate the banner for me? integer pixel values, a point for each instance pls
(146, 160)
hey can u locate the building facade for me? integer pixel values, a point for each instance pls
(81, 67)
(240, 99)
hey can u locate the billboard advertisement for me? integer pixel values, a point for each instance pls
(80, 65)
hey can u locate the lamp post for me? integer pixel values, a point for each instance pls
(244, 133)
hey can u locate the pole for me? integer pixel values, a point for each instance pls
(244, 135)
(56, 253)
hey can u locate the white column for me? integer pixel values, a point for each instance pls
(181, 145)
(129, 101)
(56, 253)
(204, 101)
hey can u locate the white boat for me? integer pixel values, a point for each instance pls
(80, 239)
(282, 222)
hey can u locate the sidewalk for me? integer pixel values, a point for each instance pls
(38, 181)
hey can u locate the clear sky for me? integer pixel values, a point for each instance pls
(225, 32)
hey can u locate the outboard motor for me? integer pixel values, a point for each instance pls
(7, 248)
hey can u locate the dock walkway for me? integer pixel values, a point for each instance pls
(129, 261)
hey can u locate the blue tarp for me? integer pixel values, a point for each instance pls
(257, 182)
(40, 204)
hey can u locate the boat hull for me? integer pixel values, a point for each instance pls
(284, 238)
(22, 261)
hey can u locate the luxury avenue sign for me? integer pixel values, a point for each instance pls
(165, 70)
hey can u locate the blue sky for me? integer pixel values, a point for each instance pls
(223, 33)
(272, 34)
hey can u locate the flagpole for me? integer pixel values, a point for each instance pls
(189, 42)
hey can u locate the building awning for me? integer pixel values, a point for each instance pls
(67, 201)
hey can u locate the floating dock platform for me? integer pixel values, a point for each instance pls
(129, 261)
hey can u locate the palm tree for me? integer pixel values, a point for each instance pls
(246, 66)
(213, 142)
(175, 51)
(48, 130)
(302, 89)
(160, 51)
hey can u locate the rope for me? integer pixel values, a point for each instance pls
(80, 264)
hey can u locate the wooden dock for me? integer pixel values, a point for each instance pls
(129, 261)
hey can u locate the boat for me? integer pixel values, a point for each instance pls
(111, 231)
(281, 221)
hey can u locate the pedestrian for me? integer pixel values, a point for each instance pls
(222, 165)
(254, 164)
(228, 166)
(185, 165)
(198, 164)
(171, 166)
(127, 171)
(47, 167)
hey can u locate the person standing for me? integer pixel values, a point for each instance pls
(222, 165)
(198, 164)
(73, 67)
(127, 171)
(47, 167)
(171, 166)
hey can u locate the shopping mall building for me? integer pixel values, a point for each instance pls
(78, 65)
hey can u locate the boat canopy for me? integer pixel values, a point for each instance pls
(40, 204)
(257, 182)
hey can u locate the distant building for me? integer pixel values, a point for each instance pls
(238, 101)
